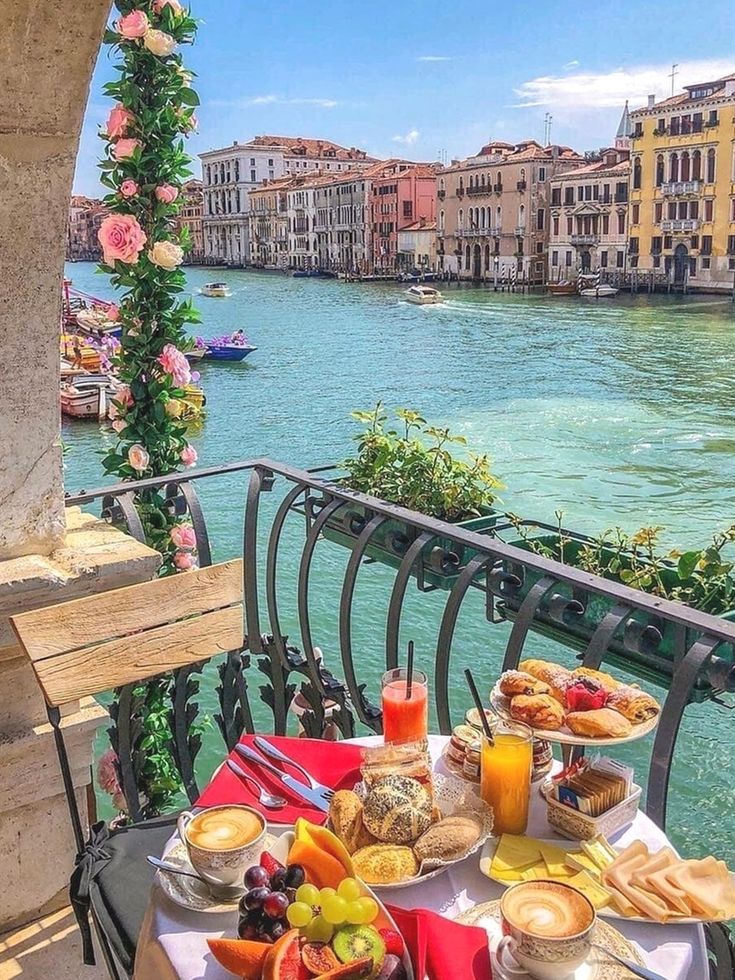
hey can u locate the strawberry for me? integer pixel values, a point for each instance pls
(393, 941)
(270, 864)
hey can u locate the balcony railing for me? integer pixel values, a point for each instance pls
(289, 512)
(521, 185)
(520, 230)
(460, 192)
(584, 239)
(680, 224)
(674, 188)
(441, 195)
(482, 189)
(498, 188)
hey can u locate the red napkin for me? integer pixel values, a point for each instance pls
(441, 949)
(335, 764)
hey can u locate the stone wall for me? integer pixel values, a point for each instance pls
(47, 53)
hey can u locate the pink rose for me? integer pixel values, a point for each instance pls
(133, 25)
(174, 363)
(138, 458)
(107, 773)
(166, 193)
(158, 6)
(113, 314)
(189, 456)
(184, 561)
(125, 148)
(129, 188)
(124, 396)
(183, 536)
(122, 239)
(119, 425)
(118, 122)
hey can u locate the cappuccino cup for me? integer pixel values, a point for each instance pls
(547, 929)
(222, 843)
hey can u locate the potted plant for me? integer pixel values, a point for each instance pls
(416, 469)
(701, 578)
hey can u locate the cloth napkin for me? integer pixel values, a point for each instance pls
(335, 764)
(441, 949)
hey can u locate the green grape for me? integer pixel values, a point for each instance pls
(334, 910)
(349, 889)
(325, 893)
(319, 930)
(299, 914)
(308, 894)
(369, 907)
(355, 914)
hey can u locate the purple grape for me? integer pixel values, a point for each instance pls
(256, 877)
(277, 930)
(247, 930)
(256, 898)
(278, 880)
(275, 905)
(295, 876)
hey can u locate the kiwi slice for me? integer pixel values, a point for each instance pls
(355, 942)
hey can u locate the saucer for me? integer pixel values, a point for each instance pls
(190, 893)
(597, 966)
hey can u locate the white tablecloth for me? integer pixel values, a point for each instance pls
(173, 944)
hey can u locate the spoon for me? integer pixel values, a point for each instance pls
(269, 800)
(221, 891)
(635, 969)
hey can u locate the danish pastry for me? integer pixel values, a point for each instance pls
(600, 723)
(514, 682)
(556, 676)
(538, 711)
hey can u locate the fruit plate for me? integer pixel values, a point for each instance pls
(564, 736)
(607, 911)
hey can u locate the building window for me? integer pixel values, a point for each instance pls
(568, 259)
(712, 121)
(603, 260)
(540, 248)
(656, 245)
(540, 219)
(731, 244)
(696, 165)
(580, 193)
(621, 222)
(671, 210)
(638, 131)
(674, 126)
(555, 196)
(569, 195)
(667, 242)
(706, 263)
(694, 209)
(408, 209)
(636, 214)
(657, 262)
(555, 258)
(570, 225)
(710, 166)
(542, 173)
(637, 174)
(620, 260)
(674, 167)
(709, 210)
(633, 246)
(706, 244)
(605, 224)
(252, 177)
(556, 225)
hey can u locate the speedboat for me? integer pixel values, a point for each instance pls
(563, 288)
(599, 292)
(423, 295)
(217, 290)
(228, 352)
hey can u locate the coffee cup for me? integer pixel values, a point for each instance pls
(547, 929)
(222, 843)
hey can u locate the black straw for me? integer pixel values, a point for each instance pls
(409, 670)
(478, 704)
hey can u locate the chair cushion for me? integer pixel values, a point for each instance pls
(120, 887)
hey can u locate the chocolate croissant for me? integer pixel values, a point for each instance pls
(513, 682)
(556, 676)
(634, 704)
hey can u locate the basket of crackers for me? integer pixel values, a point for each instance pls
(403, 824)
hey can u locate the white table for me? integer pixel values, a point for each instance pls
(173, 944)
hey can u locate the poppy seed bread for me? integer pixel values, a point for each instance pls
(397, 810)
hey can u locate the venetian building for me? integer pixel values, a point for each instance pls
(682, 202)
(190, 216)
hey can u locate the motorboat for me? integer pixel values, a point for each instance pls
(95, 322)
(218, 290)
(603, 291)
(562, 288)
(423, 295)
(228, 352)
(87, 396)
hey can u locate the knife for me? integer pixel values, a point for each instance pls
(273, 753)
(314, 797)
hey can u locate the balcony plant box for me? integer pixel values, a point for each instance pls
(642, 654)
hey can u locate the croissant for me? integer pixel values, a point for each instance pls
(513, 682)
(556, 676)
(599, 723)
(634, 704)
(606, 681)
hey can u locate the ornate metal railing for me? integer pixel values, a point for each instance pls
(690, 652)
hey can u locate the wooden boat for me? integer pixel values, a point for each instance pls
(423, 295)
(96, 323)
(197, 354)
(87, 396)
(91, 357)
(193, 401)
(228, 352)
(217, 290)
(563, 288)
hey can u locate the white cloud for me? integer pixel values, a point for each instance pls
(588, 90)
(433, 57)
(254, 100)
(409, 139)
(571, 64)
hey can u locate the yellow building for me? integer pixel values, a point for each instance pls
(682, 199)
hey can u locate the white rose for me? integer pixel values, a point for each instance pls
(168, 255)
(159, 42)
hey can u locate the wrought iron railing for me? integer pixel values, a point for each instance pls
(691, 653)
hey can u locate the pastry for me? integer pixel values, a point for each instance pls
(606, 681)
(601, 723)
(345, 816)
(383, 864)
(449, 839)
(397, 810)
(514, 682)
(556, 676)
(634, 704)
(538, 711)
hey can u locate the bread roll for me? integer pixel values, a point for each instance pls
(449, 839)
(397, 810)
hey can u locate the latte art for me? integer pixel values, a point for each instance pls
(547, 909)
(224, 828)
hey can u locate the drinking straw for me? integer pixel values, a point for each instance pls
(478, 704)
(409, 670)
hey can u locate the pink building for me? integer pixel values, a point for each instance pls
(403, 194)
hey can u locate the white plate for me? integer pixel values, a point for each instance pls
(607, 911)
(564, 736)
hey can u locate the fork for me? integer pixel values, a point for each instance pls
(272, 752)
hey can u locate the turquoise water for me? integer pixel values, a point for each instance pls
(617, 413)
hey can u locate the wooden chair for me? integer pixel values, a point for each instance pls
(114, 640)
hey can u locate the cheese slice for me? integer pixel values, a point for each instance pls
(599, 852)
(515, 853)
(555, 860)
(578, 861)
(598, 895)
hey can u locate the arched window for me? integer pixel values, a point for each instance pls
(696, 165)
(685, 166)
(441, 183)
(522, 216)
(523, 173)
(467, 257)
(660, 175)
(710, 178)
(674, 167)
(487, 258)
(460, 218)
(499, 184)
(483, 181)
(441, 221)
(498, 219)
(461, 183)
(637, 173)
(483, 216)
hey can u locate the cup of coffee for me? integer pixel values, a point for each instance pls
(223, 842)
(547, 929)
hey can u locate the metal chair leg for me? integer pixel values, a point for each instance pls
(720, 948)
(107, 954)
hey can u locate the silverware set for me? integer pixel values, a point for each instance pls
(311, 791)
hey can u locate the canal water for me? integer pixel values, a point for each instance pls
(617, 412)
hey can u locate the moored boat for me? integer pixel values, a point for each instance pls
(228, 352)
(423, 295)
(603, 291)
(563, 288)
(217, 290)
(87, 396)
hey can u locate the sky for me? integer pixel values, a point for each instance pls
(428, 80)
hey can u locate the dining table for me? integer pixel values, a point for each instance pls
(173, 940)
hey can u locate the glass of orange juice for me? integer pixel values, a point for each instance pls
(505, 775)
(405, 718)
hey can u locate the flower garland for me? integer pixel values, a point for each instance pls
(144, 167)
